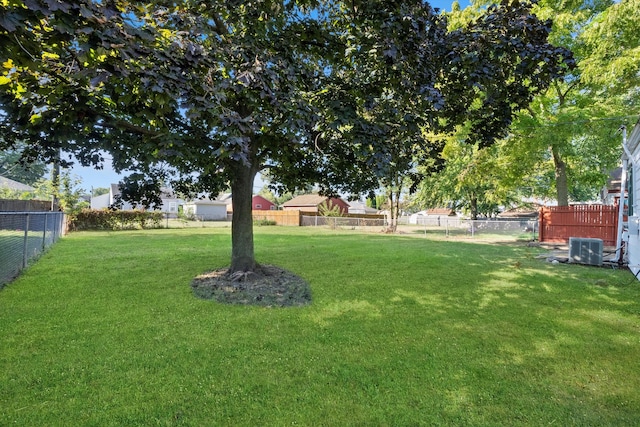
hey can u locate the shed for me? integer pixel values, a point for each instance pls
(207, 209)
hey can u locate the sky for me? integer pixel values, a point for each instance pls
(446, 4)
(92, 178)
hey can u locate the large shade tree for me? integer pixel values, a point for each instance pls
(415, 78)
(201, 96)
(564, 145)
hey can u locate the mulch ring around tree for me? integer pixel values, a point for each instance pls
(267, 286)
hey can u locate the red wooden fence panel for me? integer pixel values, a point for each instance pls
(558, 223)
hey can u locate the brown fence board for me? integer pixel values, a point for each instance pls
(559, 223)
(11, 205)
(280, 217)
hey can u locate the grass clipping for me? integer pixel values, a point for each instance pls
(267, 286)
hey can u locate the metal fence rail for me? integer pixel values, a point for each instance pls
(24, 236)
(340, 222)
(447, 226)
(516, 227)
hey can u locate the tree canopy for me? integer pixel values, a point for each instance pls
(564, 145)
(201, 96)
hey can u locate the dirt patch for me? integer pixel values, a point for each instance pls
(267, 285)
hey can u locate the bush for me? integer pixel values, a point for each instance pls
(264, 222)
(90, 219)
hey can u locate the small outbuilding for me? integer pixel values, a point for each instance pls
(206, 209)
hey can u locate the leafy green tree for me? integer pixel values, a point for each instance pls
(414, 77)
(471, 180)
(564, 145)
(8, 193)
(204, 96)
(66, 190)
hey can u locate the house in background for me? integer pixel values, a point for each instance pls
(228, 201)
(360, 207)
(610, 194)
(206, 209)
(259, 203)
(14, 185)
(170, 201)
(312, 202)
(432, 215)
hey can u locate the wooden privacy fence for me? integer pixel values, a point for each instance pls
(558, 223)
(10, 205)
(280, 217)
(294, 217)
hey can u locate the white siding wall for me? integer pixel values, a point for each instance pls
(633, 248)
(207, 212)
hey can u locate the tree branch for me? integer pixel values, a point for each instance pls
(220, 27)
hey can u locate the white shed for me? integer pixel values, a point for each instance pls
(633, 242)
(206, 209)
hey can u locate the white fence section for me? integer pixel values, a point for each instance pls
(24, 236)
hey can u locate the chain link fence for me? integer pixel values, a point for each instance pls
(24, 236)
(513, 228)
(519, 228)
(336, 222)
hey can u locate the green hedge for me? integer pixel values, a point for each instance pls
(90, 219)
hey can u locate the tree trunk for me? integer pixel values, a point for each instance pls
(391, 226)
(474, 207)
(562, 188)
(242, 254)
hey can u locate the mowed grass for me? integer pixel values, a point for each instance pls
(104, 331)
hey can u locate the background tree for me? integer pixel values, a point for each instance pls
(204, 96)
(412, 76)
(471, 181)
(564, 145)
(66, 190)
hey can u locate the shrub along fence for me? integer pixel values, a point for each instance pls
(24, 236)
(91, 219)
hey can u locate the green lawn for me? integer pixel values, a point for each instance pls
(104, 331)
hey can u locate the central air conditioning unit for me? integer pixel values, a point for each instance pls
(585, 250)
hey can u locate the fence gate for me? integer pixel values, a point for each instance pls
(558, 223)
